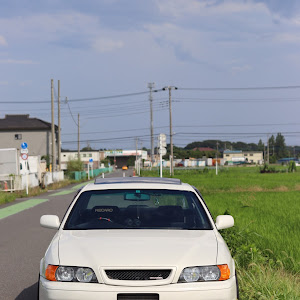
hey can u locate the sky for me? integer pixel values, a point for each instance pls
(229, 61)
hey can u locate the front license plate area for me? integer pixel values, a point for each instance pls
(138, 297)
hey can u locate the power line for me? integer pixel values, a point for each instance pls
(71, 112)
(126, 114)
(239, 125)
(226, 100)
(111, 131)
(242, 88)
(107, 139)
(82, 99)
(120, 108)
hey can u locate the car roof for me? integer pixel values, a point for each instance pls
(138, 183)
(114, 180)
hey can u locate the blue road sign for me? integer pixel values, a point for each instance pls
(91, 160)
(24, 146)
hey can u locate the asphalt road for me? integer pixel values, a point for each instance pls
(23, 241)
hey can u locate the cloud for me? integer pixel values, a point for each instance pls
(25, 83)
(68, 30)
(287, 38)
(3, 82)
(243, 68)
(106, 45)
(286, 9)
(181, 8)
(17, 62)
(3, 41)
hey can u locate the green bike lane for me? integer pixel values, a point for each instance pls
(22, 204)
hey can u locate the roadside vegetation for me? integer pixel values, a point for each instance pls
(265, 239)
(7, 197)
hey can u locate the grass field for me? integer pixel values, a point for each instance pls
(265, 240)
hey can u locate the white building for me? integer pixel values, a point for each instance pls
(85, 157)
(255, 157)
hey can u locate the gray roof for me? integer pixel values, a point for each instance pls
(23, 123)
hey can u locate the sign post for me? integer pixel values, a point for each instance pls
(162, 150)
(90, 164)
(24, 156)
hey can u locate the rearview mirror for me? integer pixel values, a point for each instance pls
(50, 221)
(136, 197)
(224, 221)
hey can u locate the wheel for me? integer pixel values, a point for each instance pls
(38, 289)
(237, 287)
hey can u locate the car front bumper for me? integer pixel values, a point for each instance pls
(221, 290)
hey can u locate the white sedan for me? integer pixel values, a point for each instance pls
(137, 238)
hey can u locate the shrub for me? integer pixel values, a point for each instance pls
(74, 165)
(292, 167)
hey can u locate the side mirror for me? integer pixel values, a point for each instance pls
(224, 221)
(50, 221)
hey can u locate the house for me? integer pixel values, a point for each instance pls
(239, 156)
(16, 129)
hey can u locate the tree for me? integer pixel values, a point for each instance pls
(272, 144)
(260, 145)
(88, 148)
(280, 146)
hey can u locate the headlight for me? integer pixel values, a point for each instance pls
(205, 273)
(65, 273)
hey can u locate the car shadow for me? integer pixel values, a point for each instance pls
(29, 293)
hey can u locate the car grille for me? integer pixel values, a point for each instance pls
(137, 274)
(138, 297)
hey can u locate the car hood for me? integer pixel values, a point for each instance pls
(142, 248)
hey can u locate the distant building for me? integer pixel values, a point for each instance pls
(239, 156)
(16, 129)
(120, 157)
(85, 157)
(287, 160)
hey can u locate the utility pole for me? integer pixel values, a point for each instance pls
(171, 130)
(151, 86)
(59, 130)
(53, 130)
(78, 141)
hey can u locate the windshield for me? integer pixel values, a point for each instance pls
(137, 209)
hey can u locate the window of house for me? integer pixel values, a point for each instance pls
(84, 155)
(245, 154)
(227, 155)
(18, 136)
(90, 155)
(251, 154)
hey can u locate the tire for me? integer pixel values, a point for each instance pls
(38, 289)
(237, 287)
